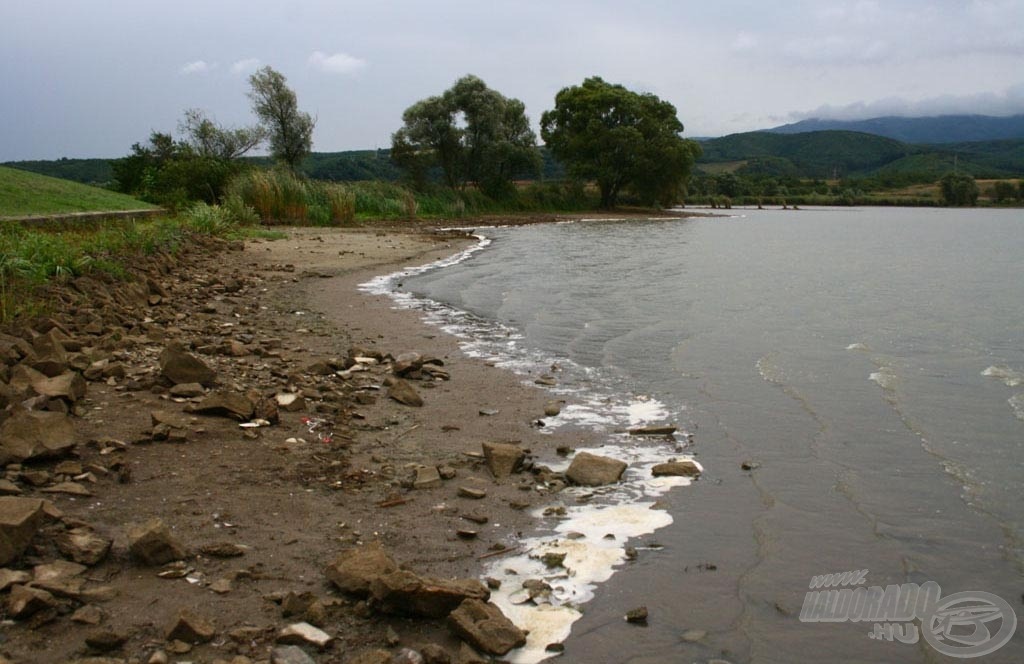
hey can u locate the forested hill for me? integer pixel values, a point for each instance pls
(929, 130)
(838, 154)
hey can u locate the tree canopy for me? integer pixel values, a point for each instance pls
(959, 190)
(209, 139)
(275, 104)
(471, 133)
(620, 139)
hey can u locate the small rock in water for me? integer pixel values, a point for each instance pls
(553, 559)
(693, 635)
(488, 412)
(637, 615)
(750, 465)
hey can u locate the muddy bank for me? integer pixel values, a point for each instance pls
(225, 427)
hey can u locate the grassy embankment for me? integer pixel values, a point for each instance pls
(23, 193)
(33, 258)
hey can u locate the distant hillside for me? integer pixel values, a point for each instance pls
(938, 129)
(831, 154)
(24, 193)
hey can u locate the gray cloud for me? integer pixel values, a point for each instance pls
(1007, 102)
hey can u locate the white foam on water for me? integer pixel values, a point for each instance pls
(622, 509)
(1009, 377)
(885, 377)
(1017, 404)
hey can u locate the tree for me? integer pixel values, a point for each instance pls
(289, 129)
(472, 134)
(959, 190)
(210, 139)
(620, 139)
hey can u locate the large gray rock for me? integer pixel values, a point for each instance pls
(592, 470)
(152, 543)
(503, 459)
(179, 366)
(354, 570)
(485, 627)
(404, 393)
(51, 358)
(31, 435)
(684, 468)
(69, 385)
(407, 593)
(20, 518)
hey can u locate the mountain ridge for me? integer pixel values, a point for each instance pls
(928, 130)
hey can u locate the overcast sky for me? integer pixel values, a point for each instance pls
(87, 78)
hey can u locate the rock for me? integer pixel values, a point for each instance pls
(547, 380)
(158, 657)
(750, 465)
(290, 402)
(9, 488)
(83, 546)
(179, 367)
(188, 390)
(191, 628)
(222, 586)
(592, 470)
(693, 635)
(427, 477)
(503, 459)
(404, 393)
(70, 488)
(227, 404)
(152, 543)
(406, 363)
(685, 468)
(469, 656)
(407, 656)
(637, 615)
(355, 570)
(404, 592)
(222, 550)
(485, 627)
(51, 357)
(435, 654)
(553, 408)
(290, 655)
(304, 634)
(30, 435)
(470, 492)
(61, 577)
(553, 559)
(20, 518)
(106, 640)
(88, 615)
(69, 385)
(653, 431)
(25, 601)
(169, 419)
(372, 657)
(9, 577)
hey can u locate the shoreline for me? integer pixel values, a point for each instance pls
(287, 498)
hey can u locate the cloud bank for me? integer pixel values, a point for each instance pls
(337, 63)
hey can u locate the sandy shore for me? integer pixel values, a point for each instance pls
(286, 498)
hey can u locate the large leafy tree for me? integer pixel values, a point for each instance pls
(209, 139)
(621, 140)
(275, 104)
(471, 133)
(959, 190)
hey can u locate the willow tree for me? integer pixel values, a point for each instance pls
(621, 140)
(290, 130)
(470, 133)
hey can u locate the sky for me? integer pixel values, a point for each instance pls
(88, 78)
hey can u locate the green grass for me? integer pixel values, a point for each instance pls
(23, 193)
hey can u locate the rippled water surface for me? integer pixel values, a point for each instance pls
(871, 361)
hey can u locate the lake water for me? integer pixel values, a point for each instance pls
(869, 362)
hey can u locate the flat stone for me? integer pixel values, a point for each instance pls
(20, 518)
(9, 488)
(592, 470)
(404, 592)
(25, 601)
(290, 402)
(69, 385)
(685, 468)
(180, 366)
(427, 477)
(29, 435)
(222, 550)
(304, 634)
(187, 390)
(404, 393)
(503, 459)
(653, 431)
(227, 404)
(406, 363)
(292, 655)
(9, 577)
(168, 418)
(471, 492)
(88, 615)
(106, 640)
(70, 488)
(693, 635)
(485, 627)
(152, 543)
(83, 546)
(355, 570)
(190, 627)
